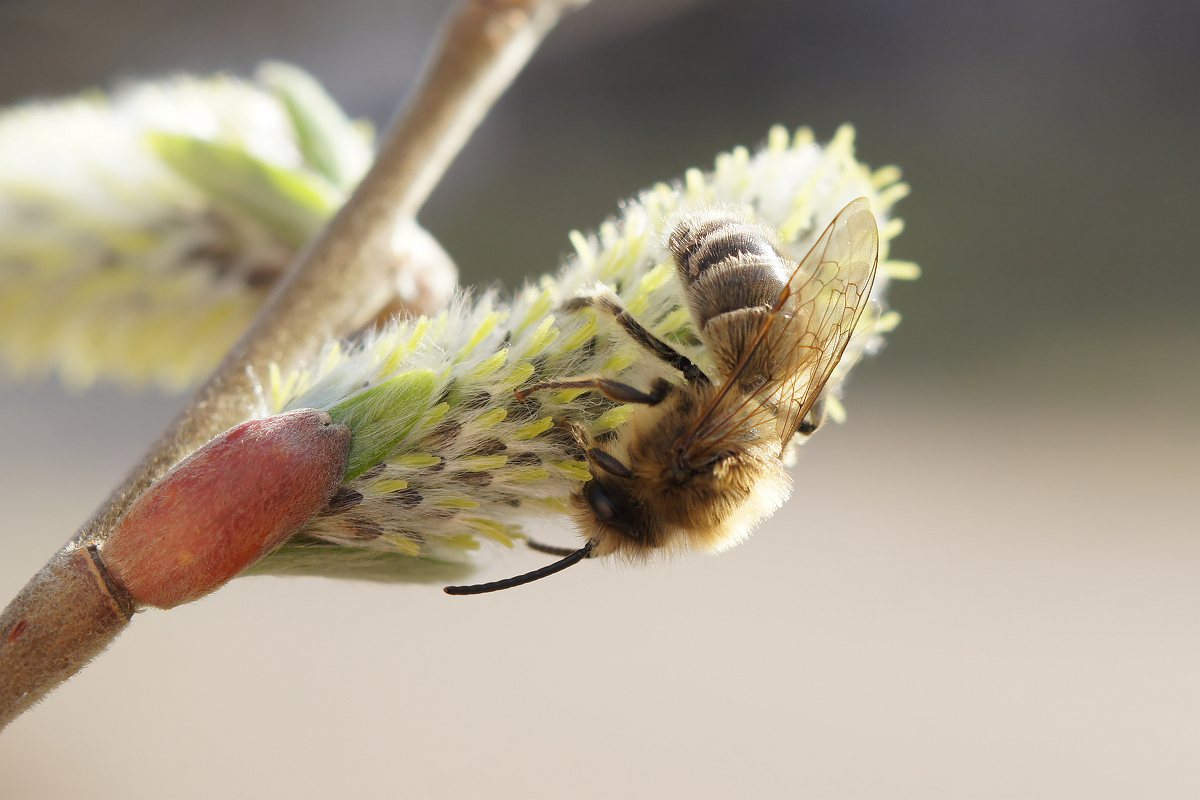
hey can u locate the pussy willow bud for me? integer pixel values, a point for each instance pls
(227, 505)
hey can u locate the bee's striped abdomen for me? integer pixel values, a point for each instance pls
(726, 266)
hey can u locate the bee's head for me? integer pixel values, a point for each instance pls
(609, 513)
(638, 515)
(655, 510)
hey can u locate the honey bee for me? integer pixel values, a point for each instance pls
(700, 462)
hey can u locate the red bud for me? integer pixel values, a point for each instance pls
(226, 506)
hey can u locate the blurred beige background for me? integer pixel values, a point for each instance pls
(987, 584)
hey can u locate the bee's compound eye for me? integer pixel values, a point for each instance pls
(599, 503)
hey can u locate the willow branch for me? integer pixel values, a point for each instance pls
(337, 284)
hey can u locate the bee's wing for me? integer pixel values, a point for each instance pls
(864, 333)
(805, 335)
(831, 290)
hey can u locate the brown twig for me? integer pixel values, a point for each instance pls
(72, 609)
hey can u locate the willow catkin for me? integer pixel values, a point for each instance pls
(445, 459)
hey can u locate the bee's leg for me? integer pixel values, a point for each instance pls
(613, 390)
(813, 419)
(595, 455)
(607, 463)
(578, 431)
(642, 336)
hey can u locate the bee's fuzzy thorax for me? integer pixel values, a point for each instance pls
(445, 458)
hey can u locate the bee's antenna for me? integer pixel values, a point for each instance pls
(558, 566)
(549, 549)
